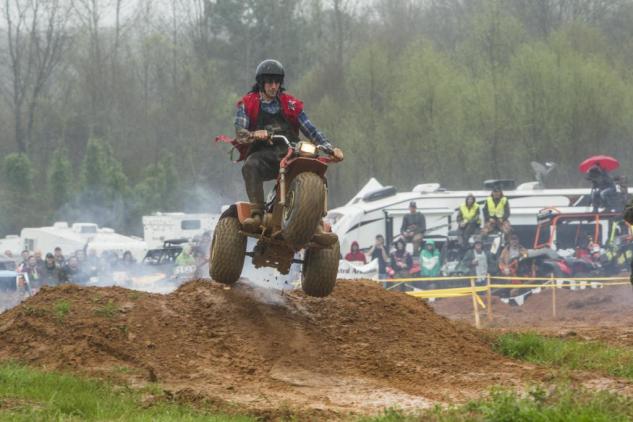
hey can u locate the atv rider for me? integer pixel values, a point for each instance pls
(268, 108)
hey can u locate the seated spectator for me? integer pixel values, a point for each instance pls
(468, 220)
(430, 263)
(509, 258)
(401, 260)
(413, 227)
(355, 254)
(603, 189)
(497, 213)
(478, 260)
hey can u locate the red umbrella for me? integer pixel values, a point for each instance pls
(606, 162)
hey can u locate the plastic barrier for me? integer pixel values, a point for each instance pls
(473, 291)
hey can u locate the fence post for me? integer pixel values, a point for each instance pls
(553, 284)
(475, 306)
(489, 297)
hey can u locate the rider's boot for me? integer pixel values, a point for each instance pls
(324, 238)
(253, 224)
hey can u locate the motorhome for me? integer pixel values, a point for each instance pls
(11, 243)
(159, 227)
(86, 236)
(378, 209)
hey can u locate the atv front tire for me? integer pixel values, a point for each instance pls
(320, 268)
(228, 250)
(304, 209)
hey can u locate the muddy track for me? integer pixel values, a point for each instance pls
(359, 350)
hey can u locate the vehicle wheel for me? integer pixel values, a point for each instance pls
(228, 250)
(320, 268)
(304, 209)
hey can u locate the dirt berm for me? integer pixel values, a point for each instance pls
(359, 350)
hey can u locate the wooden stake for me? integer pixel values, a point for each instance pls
(553, 282)
(489, 298)
(475, 306)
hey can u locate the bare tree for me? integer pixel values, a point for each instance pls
(37, 38)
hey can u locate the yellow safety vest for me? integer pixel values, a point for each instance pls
(469, 214)
(496, 211)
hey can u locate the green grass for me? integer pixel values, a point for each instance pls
(568, 354)
(61, 309)
(563, 404)
(109, 310)
(31, 395)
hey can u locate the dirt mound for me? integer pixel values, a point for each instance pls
(608, 306)
(362, 348)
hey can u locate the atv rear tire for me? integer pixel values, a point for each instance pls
(304, 209)
(228, 250)
(320, 268)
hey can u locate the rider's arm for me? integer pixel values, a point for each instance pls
(506, 211)
(241, 123)
(311, 132)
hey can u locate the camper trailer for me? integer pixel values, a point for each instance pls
(86, 236)
(366, 214)
(11, 243)
(160, 227)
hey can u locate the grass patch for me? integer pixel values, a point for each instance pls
(61, 309)
(569, 354)
(109, 310)
(563, 404)
(34, 395)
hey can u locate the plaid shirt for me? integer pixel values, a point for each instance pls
(273, 107)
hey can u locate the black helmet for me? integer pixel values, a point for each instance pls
(269, 67)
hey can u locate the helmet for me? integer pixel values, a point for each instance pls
(269, 67)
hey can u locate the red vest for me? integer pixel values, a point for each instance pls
(290, 108)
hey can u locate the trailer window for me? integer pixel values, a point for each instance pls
(190, 225)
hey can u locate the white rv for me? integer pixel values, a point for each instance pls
(377, 209)
(176, 225)
(11, 243)
(80, 236)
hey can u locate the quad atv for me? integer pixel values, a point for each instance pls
(293, 216)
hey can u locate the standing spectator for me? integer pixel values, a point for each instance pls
(430, 260)
(33, 272)
(468, 219)
(509, 258)
(38, 259)
(50, 272)
(24, 260)
(59, 257)
(496, 213)
(379, 252)
(401, 260)
(413, 227)
(72, 273)
(185, 258)
(355, 254)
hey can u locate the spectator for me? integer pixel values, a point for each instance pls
(413, 227)
(50, 272)
(24, 260)
(509, 258)
(401, 260)
(38, 259)
(205, 244)
(72, 272)
(430, 260)
(603, 190)
(59, 257)
(379, 252)
(355, 254)
(468, 219)
(185, 258)
(478, 260)
(33, 272)
(496, 213)
(622, 192)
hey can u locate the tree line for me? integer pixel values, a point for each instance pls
(110, 107)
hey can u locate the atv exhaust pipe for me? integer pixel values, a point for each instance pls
(282, 186)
